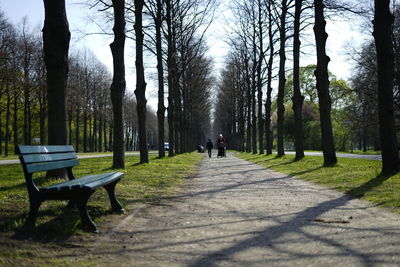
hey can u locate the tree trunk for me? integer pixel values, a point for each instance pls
(100, 139)
(253, 93)
(248, 104)
(140, 83)
(171, 78)
(105, 134)
(282, 79)
(321, 73)
(268, 102)
(7, 126)
(70, 113)
(43, 114)
(118, 84)
(160, 72)
(110, 138)
(383, 22)
(56, 37)
(85, 130)
(297, 97)
(259, 81)
(77, 133)
(15, 117)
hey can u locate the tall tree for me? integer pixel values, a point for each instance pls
(118, 84)
(268, 101)
(56, 38)
(140, 82)
(382, 33)
(282, 78)
(160, 72)
(297, 97)
(321, 73)
(171, 64)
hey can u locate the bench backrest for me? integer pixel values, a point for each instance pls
(45, 158)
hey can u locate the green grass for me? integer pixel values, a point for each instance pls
(357, 177)
(141, 183)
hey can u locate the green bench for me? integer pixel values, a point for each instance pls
(76, 190)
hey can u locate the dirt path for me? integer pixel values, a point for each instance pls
(234, 213)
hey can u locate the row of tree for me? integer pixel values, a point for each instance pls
(23, 97)
(173, 31)
(85, 106)
(325, 112)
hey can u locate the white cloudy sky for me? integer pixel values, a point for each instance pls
(341, 34)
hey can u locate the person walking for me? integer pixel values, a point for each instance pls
(221, 144)
(210, 146)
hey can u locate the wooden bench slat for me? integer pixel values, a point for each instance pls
(44, 149)
(38, 167)
(88, 182)
(35, 158)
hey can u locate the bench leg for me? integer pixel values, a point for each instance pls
(115, 205)
(33, 210)
(87, 223)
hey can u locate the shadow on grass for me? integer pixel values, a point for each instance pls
(59, 228)
(360, 191)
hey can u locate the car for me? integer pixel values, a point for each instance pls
(166, 146)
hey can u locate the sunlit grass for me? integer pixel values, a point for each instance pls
(357, 177)
(141, 183)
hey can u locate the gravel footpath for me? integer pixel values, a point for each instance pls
(235, 213)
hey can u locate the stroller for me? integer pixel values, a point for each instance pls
(221, 150)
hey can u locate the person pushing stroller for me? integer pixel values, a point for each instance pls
(221, 144)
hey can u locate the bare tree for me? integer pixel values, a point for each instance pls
(140, 83)
(56, 37)
(118, 85)
(282, 78)
(297, 97)
(383, 21)
(321, 73)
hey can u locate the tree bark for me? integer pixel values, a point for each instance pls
(253, 92)
(259, 81)
(77, 129)
(383, 22)
(171, 77)
(268, 102)
(297, 98)
(160, 72)
(282, 79)
(118, 84)
(56, 38)
(321, 73)
(140, 83)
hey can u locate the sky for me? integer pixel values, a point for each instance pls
(342, 33)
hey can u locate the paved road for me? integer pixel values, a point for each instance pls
(235, 213)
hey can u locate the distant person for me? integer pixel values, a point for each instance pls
(210, 146)
(221, 144)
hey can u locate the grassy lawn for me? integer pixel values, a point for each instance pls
(146, 183)
(357, 177)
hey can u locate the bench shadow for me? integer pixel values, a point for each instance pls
(59, 228)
